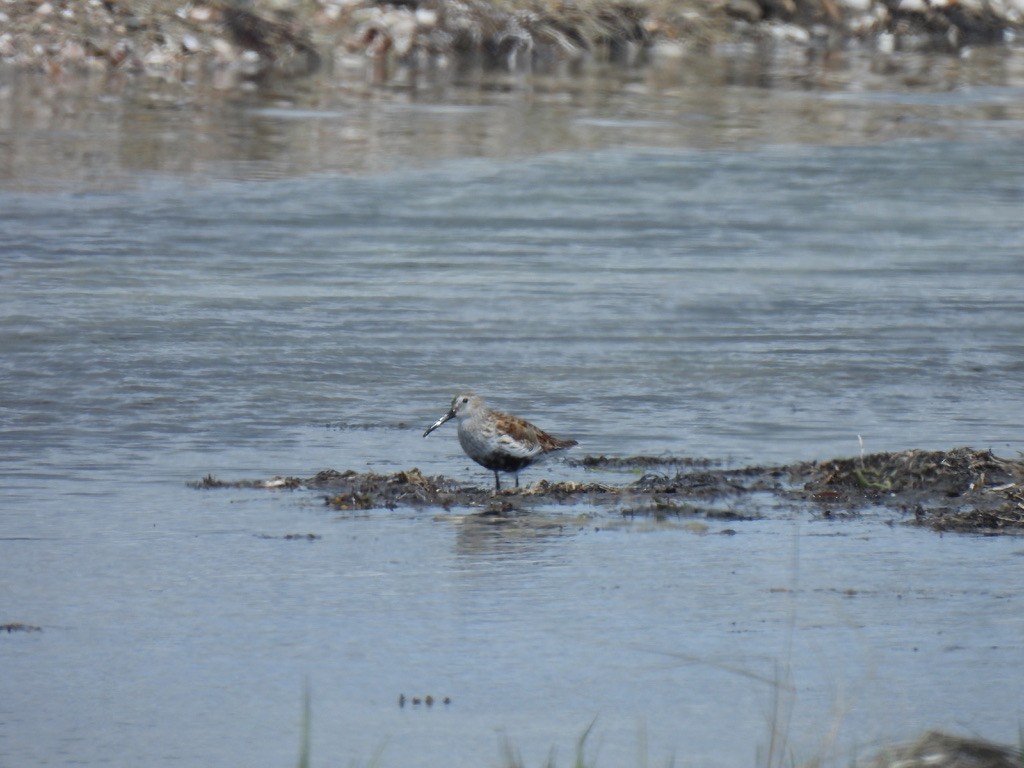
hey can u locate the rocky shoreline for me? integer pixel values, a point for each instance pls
(297, 37)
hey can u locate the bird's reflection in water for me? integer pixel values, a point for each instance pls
(507, 534)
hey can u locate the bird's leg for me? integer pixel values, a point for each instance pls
(497, 482)
(517, 479)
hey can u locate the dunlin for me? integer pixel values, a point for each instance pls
(498, 441)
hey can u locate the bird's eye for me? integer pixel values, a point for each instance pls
(465, 399)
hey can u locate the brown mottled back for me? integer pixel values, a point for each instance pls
(524, 432)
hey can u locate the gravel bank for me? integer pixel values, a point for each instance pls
(296, 37)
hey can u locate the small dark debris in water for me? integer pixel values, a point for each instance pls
(960, 490)
(292, 536)
(639, 462)
(19, 627)
(210, 481)
(726, 514)
(416, 701)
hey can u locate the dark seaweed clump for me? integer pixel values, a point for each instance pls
(19, 627)
(958, 490)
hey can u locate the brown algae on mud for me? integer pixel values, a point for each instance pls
(958, 490)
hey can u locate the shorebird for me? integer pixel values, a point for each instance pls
(498, 441)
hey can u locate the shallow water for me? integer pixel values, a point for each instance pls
(674, 269)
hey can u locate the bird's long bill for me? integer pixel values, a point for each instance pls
(439, 422)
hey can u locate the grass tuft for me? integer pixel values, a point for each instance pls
(307, 727)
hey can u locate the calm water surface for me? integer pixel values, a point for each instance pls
(658, 279)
